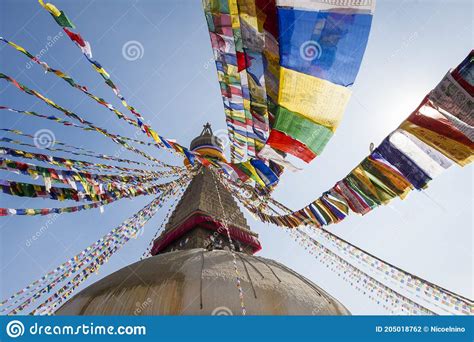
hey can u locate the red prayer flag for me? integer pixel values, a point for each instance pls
(75, 37)
(285, 143)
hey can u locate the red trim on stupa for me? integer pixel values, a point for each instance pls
(210, 224)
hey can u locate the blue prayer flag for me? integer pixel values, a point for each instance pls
(327, 45)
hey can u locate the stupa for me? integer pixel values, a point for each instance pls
(192, 270)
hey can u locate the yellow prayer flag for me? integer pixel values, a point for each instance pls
(321, 206)
(50, 8)
(18, 47)
(401, 183)
(359, 173)
(257, 91)
(233, 8)
(238, 114)
(232, 70)
(234, 14)
(321, 101)
(101, 71)
(220, 76)
(178, 148)
(246, 103)
(61, 74)
(155, 136)
(248, 12)
(254, 173)
(454, 150)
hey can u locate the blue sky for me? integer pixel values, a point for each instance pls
(174, 85)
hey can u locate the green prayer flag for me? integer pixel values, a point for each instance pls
(63, 20)
(359, 187)
(313, 135)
